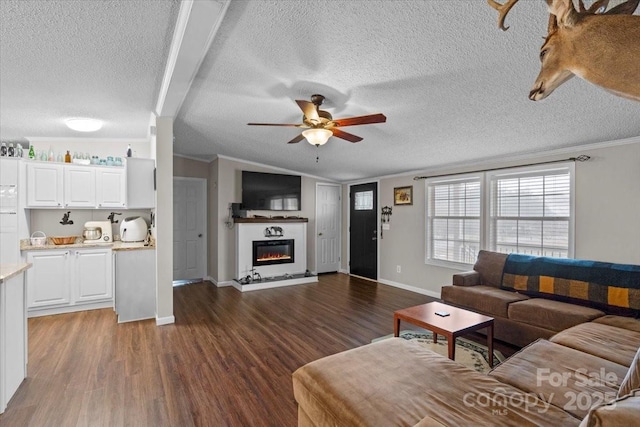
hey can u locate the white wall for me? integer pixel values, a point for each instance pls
(189, 168)
(164, 220)
(48, 220)
(607, 226)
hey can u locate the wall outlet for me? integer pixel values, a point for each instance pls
(398, 269)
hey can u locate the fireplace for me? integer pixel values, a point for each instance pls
(270, 252)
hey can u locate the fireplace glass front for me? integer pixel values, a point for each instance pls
(269, 252)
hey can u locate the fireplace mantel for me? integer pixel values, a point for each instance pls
(268, 220)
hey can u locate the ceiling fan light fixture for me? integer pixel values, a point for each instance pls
(84, 124)
(317, 137)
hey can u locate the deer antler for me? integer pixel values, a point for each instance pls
(626, 8)
(598, 6)
(595, 7)
(503, 10)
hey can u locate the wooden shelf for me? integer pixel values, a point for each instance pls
(269, 220)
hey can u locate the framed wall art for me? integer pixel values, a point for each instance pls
(403, 195)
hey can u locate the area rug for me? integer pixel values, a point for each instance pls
(468, 353)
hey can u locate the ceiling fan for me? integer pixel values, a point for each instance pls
(320, 124)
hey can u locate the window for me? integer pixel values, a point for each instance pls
(530, 212)
(363, 201)
(453, 214)
(524, 210)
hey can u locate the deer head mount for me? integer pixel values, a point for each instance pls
(600, 46)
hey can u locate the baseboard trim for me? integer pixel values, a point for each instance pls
(410, 288)
(35, 312)
(223, 284)
(160, 321)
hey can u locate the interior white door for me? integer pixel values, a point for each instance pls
(328, 225)
(189, 228)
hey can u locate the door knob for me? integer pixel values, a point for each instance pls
(319, 234)
(200, 235)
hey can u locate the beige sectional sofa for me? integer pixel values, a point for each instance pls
(580, 365)
(575, 378)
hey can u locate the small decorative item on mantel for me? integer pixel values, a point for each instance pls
(403, 195)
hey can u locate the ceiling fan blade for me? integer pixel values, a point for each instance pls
(344, 135)
(361, 120)
(296, 139)
(309, 110)
(276, 124)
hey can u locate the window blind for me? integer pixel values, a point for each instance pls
(530, 212)
(453, 216)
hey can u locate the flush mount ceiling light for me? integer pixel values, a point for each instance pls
(84, 124)
(317, 137)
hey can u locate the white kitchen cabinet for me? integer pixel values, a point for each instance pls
(8, 171)
(45, 185)
(13, 337)
(135, 284)
(9, 246)
(111, 187)
(65, 280)
(48, 279)
(79, 187)
(55, 185)
(140, 183)
(92, 275)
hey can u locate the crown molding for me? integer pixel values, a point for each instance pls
(319, 178)
(489, 161)
(192, 158)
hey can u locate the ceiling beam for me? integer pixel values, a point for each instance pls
(196, 27)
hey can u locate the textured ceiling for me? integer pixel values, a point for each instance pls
(62, 59)
(453, 86)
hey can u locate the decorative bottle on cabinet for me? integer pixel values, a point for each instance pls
(67, 157)
(32, 153)
(129, 150)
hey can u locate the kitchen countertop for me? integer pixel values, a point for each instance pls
(25, 245)
(7, 271)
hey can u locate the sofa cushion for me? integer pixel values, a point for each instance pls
(490, 265)
(396, 382)
(550, 314)
(568, 379)
(631, 381)
(609, 342)
(484, 299)
(620, 322)
(624, 411)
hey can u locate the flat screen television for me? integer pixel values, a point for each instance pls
(271, 191)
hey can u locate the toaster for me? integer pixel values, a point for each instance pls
(133, 229)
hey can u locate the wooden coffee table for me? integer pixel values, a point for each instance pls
(457, 323)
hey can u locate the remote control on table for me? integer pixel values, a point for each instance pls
(442, 313)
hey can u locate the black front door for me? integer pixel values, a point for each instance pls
(363, 237)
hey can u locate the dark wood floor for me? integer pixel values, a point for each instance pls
(227, 361)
